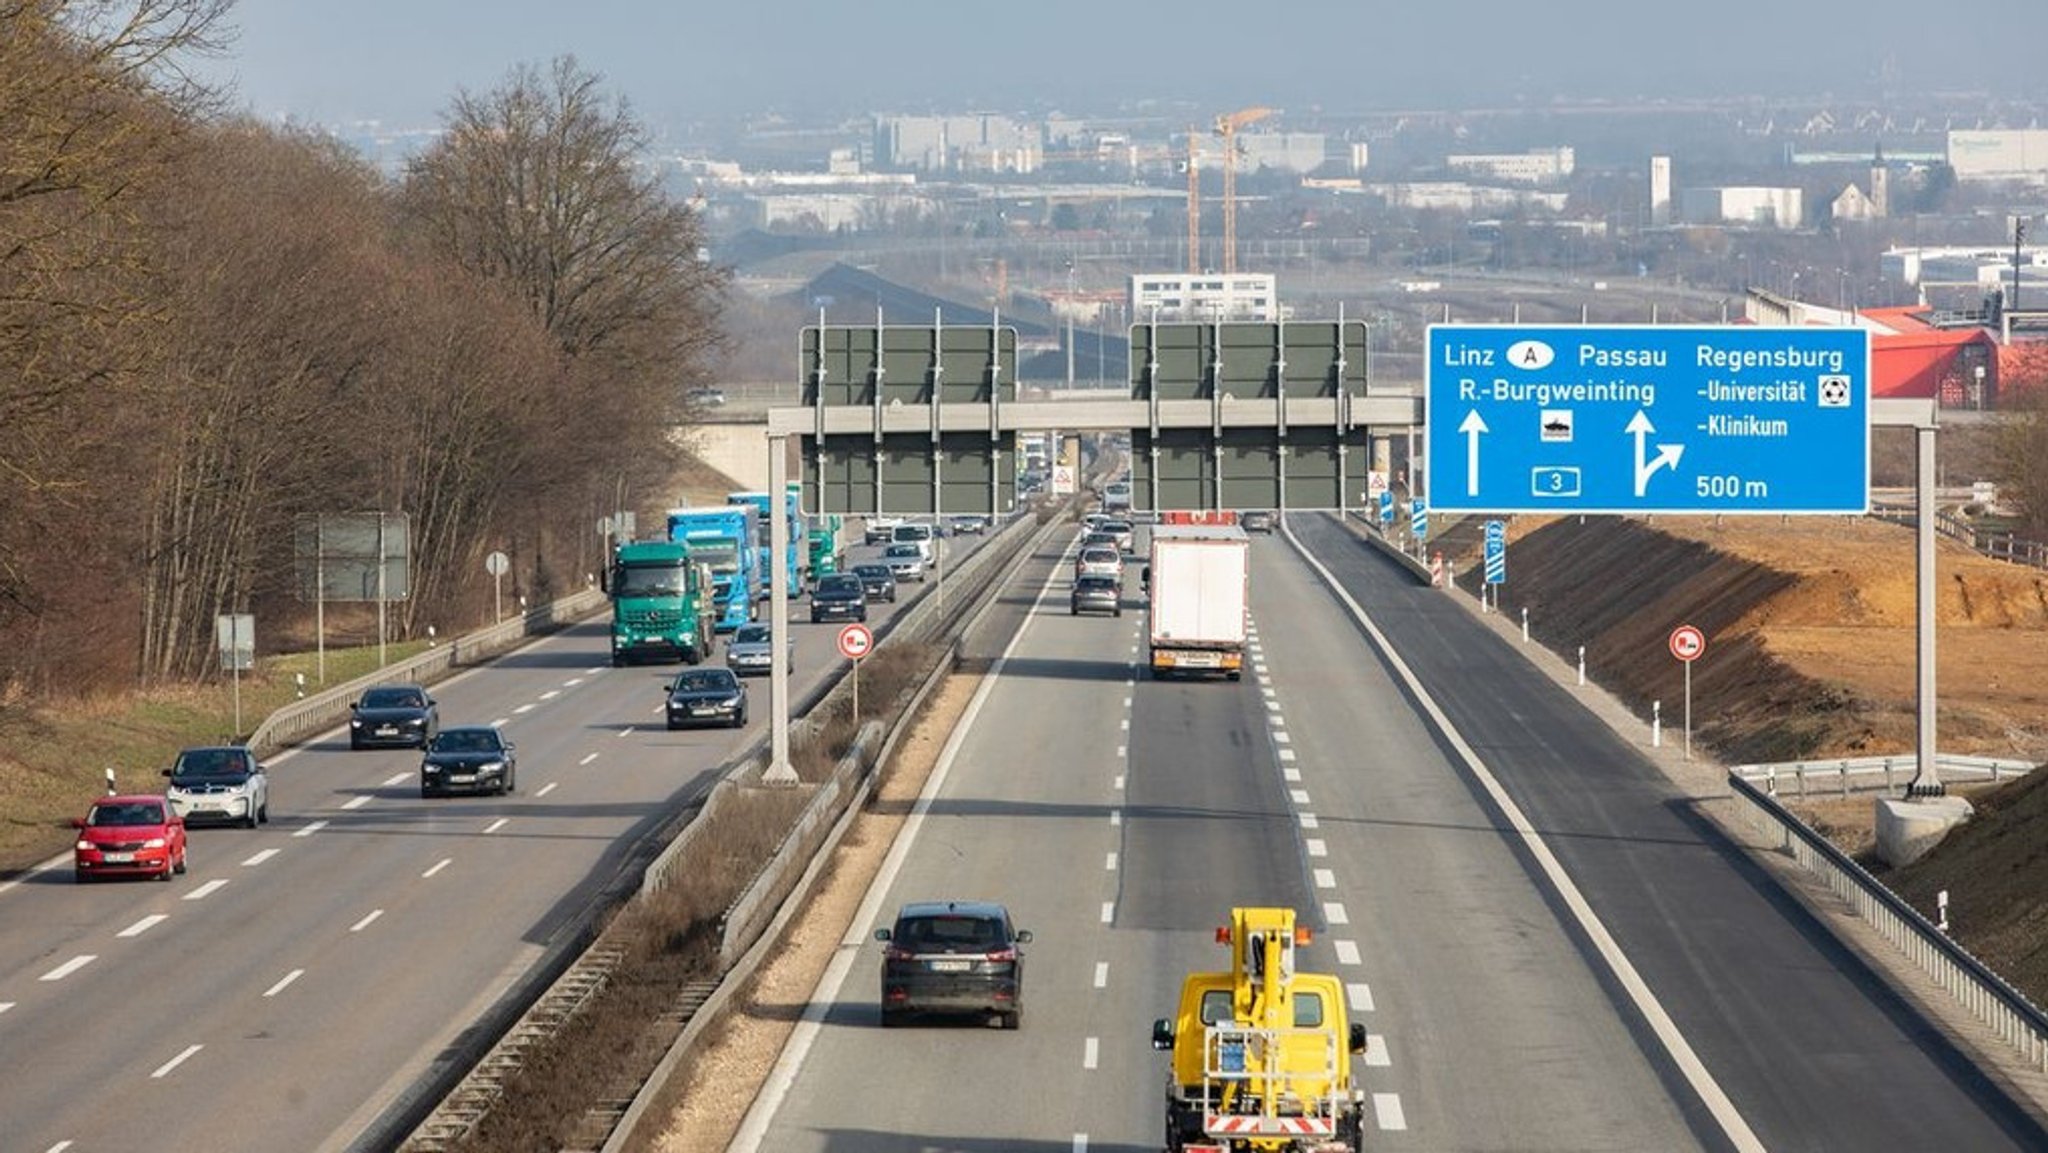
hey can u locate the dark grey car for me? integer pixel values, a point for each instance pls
(706, 697)
(878, 582)
(402, 716)
(953, 957)
(1098, 594)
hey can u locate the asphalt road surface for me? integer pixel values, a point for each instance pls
(1572, 962)
(302, 977)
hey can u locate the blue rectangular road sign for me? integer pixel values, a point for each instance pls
(1496, 552)
(1418, 518)
(1691, 419)
(1386, 508)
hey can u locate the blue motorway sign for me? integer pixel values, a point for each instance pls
(1693, 419)
(1386, 508)
(1496, 552)
(1418, 518)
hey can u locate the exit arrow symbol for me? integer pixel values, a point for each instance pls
(1472, 426)
(1667, 454)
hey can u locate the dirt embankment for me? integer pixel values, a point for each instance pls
(1811, 653)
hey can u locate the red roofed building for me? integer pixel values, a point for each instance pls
(1917, 352)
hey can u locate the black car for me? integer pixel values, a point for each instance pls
(953, 957)
(1256, 520)
(468, 759)
(877, 582)
(397, 716)
(840, 596)
(711, 696)
(1098, 594)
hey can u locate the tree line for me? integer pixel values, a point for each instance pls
(211, 329)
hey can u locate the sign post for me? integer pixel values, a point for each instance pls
(497, 564)
(1687, 643)
(1496, 559)
(235, 634)
(855, 642)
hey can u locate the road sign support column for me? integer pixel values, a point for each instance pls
(779, 771)
(1927, 779)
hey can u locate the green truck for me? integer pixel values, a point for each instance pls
(824, 545)
(658, 597)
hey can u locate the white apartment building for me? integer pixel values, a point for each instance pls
(1761, 207)
(1536, 166)
(2000, 154)
(1182, 296)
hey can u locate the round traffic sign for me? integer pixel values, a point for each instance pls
(497, 564)
(855, 640)
(1687, 643)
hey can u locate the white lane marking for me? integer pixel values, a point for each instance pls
(1359, 994)
(1108, 911)
(439, 865)
(1291, 776)
(1269, 692)
(144, 925)
(1125, 724)
(59, 1147)
(1298, 796)
(1127, 702)
(1274, 708)
(1080, 1143)
(628, 730)
(781, 1078)
(1376, 1051)
(1091, 1053)
(206, 890)
(1102, 974)
(6, 1005)
(1118, 784)
(1123, 752)
(500, 722)
(593, 671)
(572, 682)
(525, 708)
(359, 926)
(1286, 756)
(500, 823)
(357, 802)
(551, 694)
(1387, 1107)
(586, 760)
(164, 1070)
(284, 982)
(1308, 821)
(69, 967)
(397, 780)
(1280, 736)
(1316, 847)
(1109, 862)
(547, 788)
(1347, 952)
(1333, 912)
(1116, 817)
(1661, 1025)
(309, 830)
(1326, 878)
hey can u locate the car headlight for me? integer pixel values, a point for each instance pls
(84, 846)
(355, 722)
(491, 767)
(731, 702)
(153, 843)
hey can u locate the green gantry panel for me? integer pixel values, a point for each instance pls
(852, 477)
(907, 361)
(1319, 358)
(1251, 466)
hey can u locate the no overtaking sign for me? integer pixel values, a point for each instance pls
(855, 640)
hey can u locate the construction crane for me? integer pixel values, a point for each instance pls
(1226, 127)
(1194, 205)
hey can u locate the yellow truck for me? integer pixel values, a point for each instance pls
(1262, 1053)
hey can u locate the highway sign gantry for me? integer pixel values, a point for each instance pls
(1628, 419)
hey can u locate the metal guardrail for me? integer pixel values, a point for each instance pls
(1872, 774)
(2016, 1020)
(325, 709)
(1996, 545)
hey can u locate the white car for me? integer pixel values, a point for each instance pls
(219, 783)
(905, 561)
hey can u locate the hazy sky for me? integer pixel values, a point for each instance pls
(400, 60)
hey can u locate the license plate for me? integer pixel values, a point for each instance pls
(118, 858)
(950, 966)
(1201, 660)
(388, 731)
(703, 712)
(462, 779)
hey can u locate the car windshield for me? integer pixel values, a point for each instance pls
(467, 741)
(753, 634)
(393, 699)
(704, 681)
(871, 571)
(840, 584)
(904, 550)
(197, 763)
(126, 813)
(949, 933)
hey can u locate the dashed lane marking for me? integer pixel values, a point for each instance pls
(525, 708)
(309, 830)
(1286, 756)
(1376, 1051)
(144, 925)
(164, 1070)
(1109, 862)
(69, 967)
(1280, 735)
(439, 865)
(397, 780)
(357, 802)
(1091, 1053)
(1308, 821)
(500, 823)
(1387, 1108)
(1102, 974)
(258, 857)
(1359, 995)
(1118, 785)
(1108, 913)
(1116, 817)
(206, 890)
(1292, 775)
(284, 982)
(547, 788)
(586, 760)
(1298, 796)
(1317, 847)
(1333, 912)
(1347, 952)
(551, 694)
(359, 926)
(1326, 879)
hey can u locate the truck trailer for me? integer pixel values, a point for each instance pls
(1199, 581)
(722, 537)
(797, 547)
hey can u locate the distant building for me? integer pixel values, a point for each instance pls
(1754, 206)
(1660, 191)
(1536, 166)
(1454, 196)
(1205, 296)
(1852, 204)
(1296, 152)
(1361, 155)
(975, 142)
(1996, 154)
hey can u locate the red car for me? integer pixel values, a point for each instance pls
(138, 834)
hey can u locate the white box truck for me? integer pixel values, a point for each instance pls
(1200, 582)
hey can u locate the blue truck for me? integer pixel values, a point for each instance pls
(721, 537)
(797, 561)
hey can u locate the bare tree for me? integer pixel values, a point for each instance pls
(2021, 445)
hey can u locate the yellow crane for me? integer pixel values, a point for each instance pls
(1226, 127)
(1194, 205)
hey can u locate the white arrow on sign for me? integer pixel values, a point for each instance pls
(1667, 454)
(1472, 426)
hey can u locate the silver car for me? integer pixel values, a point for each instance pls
(222, 783)
(905, 560)
(752, 647)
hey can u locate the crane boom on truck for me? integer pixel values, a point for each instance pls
(1262, 1053)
